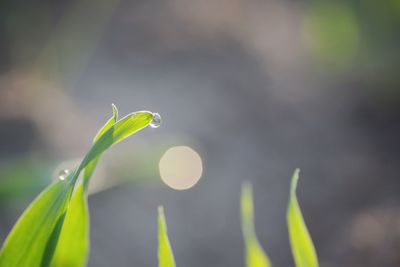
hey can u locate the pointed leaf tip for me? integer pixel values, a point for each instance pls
(165, 254)
(115, 111)
(300, 240)
(246, 203)
(295, 180)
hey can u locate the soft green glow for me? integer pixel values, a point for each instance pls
(331, 32)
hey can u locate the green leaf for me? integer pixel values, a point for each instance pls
(117, 132)
(254, 254)
(165, 255)
(27, 244)
(35, 236)
(87, 173)
(73, 243)
(302, 246)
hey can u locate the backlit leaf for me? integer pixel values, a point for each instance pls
(120, 130)
(34, 238)
(165, 255)
(73, 244)
(302, 246)
(87, 173)
(26, 245)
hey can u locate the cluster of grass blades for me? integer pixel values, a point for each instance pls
(54, 229)
(303, 250)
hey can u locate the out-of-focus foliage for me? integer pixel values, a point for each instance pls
(302, 247)
(14, 185)
(332, 32)
(254, 253)
(344, 35)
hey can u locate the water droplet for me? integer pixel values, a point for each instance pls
(156, 122)
(63, 174)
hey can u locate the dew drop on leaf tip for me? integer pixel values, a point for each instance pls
(156, 122)
(63, 174)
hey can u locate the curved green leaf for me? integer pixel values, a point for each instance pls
(117, 132)
(254, 254)
(165, 255)
(87, 173)
(35, 236)
(302, 246)
(27, 243)
(73, 244)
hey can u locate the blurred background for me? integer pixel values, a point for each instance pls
(247, 89)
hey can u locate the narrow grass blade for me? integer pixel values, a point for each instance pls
(120, 130)
(87, 173)
(165, 255)
(73, 243)
(254, 254)
(28, 244)
(302, 246)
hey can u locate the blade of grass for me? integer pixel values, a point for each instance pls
(27, 242)
(87, 173)
(120, 130)
(73, 244)
(254, 254)
(165, 255)
(33, 239)
(302, 246)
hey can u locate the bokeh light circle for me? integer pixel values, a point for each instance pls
(180, 167)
